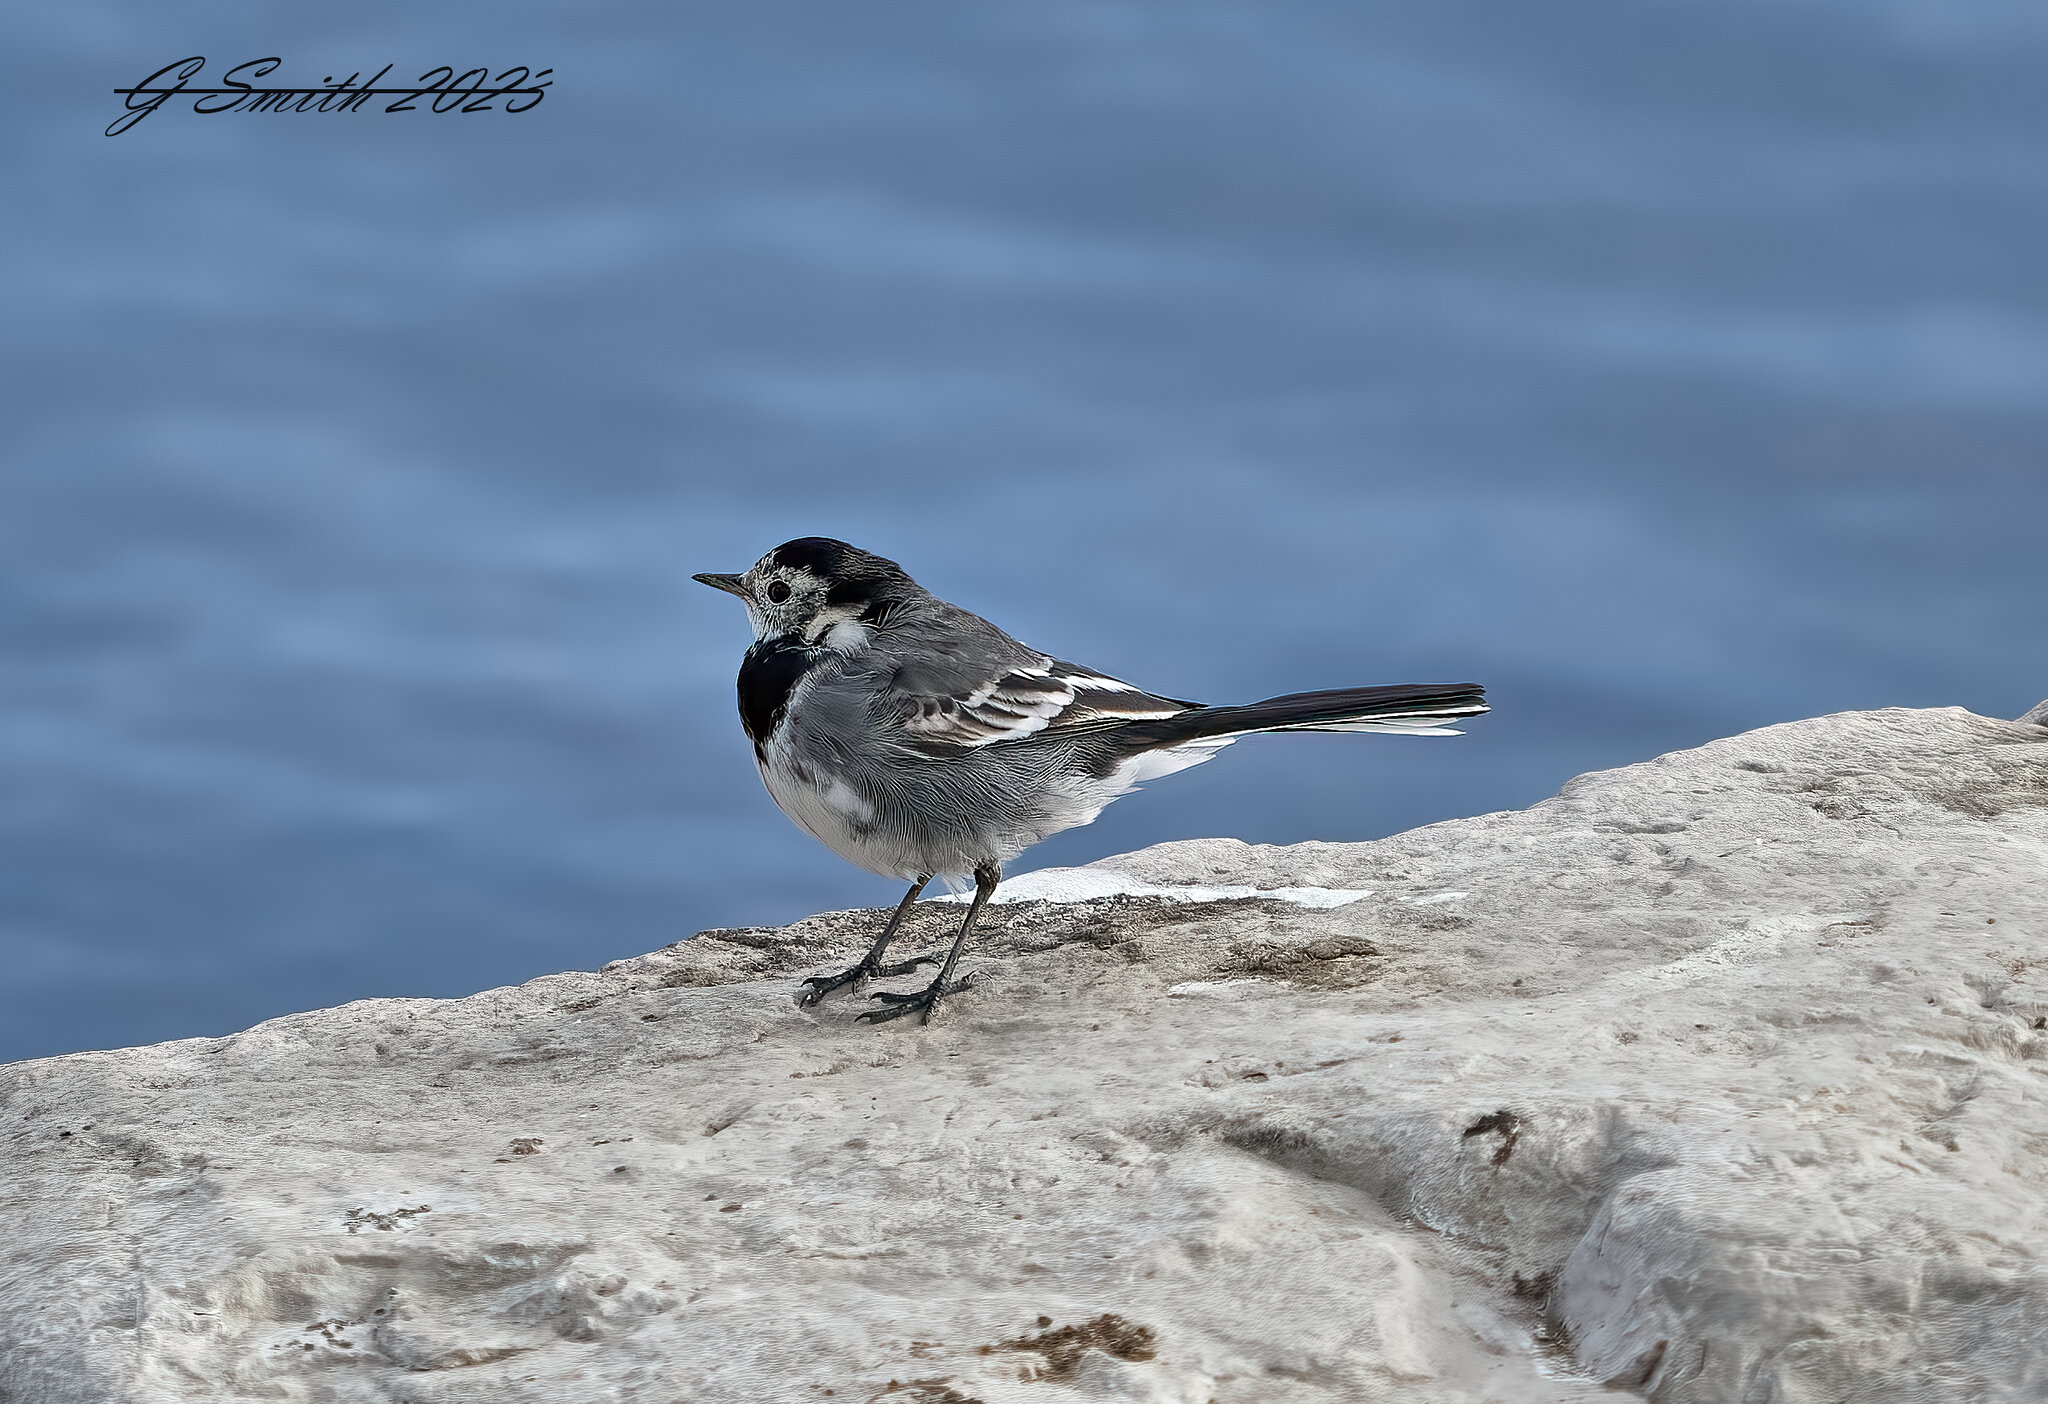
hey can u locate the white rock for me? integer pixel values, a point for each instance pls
(1100, 880)
(1720, 1077)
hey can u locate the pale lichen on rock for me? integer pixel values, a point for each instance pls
(1719, 1077)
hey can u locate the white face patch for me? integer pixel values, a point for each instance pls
(848, 636)
(839, 630)
(803, 596)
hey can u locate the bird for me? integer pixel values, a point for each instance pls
(917, 740)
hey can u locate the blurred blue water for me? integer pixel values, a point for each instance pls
(1673, 368)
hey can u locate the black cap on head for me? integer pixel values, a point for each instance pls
(821, 556)
(851, 576)
(832, 560)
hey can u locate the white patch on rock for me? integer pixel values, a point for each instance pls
(1093, 884)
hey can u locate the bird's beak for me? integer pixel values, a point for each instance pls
(731, 584)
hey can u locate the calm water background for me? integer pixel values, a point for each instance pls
(1673, 368)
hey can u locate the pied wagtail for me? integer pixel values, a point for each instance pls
(917, 740)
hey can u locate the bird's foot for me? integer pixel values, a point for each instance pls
(822, 985)
(919, 1003)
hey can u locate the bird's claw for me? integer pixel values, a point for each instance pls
(918, 1002)
(822, 985)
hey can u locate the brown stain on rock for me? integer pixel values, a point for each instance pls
(1337, 962)
(931, 1391)
(1064, 1346)
(1507, 1124)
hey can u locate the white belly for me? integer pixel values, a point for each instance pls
(833, 813)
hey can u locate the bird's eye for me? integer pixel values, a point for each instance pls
(778, 592)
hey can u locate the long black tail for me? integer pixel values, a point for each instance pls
(1410, 709)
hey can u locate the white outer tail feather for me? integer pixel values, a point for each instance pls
(1390, 726)
(1165, 761)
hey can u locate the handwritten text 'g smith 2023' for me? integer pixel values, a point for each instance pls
(442, 89)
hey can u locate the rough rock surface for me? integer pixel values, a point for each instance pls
(1719, 1077)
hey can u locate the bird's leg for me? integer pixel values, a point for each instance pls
(870, 964)
(897, 1005)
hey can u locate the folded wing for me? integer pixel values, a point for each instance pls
(1026, 699)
